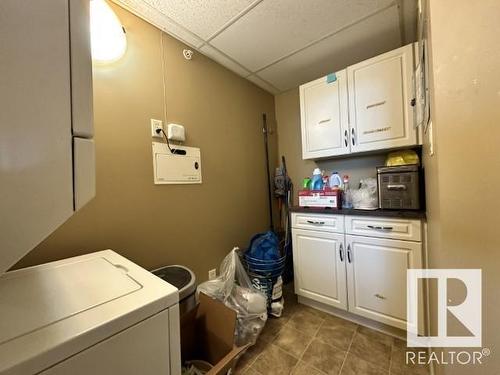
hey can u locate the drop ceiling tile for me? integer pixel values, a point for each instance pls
(216, 55)
(276, 28)
(263, 84)
(152, 15)
(202, 17)
(373, 36)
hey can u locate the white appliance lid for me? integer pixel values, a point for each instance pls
(51, 311)
(39, 298)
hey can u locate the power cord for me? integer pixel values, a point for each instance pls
(166, 138)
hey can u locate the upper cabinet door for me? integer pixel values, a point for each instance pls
(380, 95)
(84, 171)
(81, 103)
(81, 69)
(324, 117)
(36, 172)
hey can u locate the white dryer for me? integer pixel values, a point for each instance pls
(96, 314)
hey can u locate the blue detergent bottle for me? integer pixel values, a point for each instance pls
(317, 180)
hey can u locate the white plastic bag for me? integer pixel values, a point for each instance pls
(234, 288)
(366, 196)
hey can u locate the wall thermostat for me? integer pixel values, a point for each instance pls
(176, 132)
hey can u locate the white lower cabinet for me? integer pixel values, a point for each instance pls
(319, 266)
(364, 275)
(376, 274)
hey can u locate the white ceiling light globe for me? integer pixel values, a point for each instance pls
(106, 32)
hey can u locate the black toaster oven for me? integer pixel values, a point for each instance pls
(399, 187)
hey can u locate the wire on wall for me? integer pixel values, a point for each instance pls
(163, 78)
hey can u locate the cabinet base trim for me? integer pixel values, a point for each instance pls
(381, 327)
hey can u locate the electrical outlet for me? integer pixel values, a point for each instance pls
(156, 124)
(212, 274)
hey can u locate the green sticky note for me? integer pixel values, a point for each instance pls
(332, 77)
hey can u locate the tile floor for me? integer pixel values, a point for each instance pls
(305, 341)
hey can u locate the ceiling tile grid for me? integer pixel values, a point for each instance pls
(152, 15)
(274, 29)
(378, 34)
(263, 84)
(203, 18)
(280, 44)
(223, 59)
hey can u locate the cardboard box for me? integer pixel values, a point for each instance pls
(320, 198)
(207, 333)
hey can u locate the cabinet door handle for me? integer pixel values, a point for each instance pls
(379, 227)
(353, 137)
(379, 296)
(396, 187)
(349, 253)
(316, 222)
(375, 104)
(341, 252)
(346, 138)
(323, 121)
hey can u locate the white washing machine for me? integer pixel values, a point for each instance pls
(94, 314)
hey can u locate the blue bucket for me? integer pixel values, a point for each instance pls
(264, 265)
(264, 274)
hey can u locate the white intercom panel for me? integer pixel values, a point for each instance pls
(181, 167)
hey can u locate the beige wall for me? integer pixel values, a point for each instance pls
(289, 145)
(157, 225)
(463, 175)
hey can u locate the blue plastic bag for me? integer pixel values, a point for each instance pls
(264, 246)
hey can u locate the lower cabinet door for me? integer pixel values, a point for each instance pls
(319, 265)
(376, 273)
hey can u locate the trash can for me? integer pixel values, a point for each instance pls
(184, 280)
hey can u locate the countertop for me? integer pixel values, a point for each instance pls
(404, 214)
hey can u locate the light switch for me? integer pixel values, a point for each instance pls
(430, 134)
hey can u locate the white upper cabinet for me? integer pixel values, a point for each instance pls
(367, 108)
(81, 103)
(324, 116)
(81, 69)
(380, 96)
(39, 91)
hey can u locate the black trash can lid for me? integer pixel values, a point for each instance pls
(180, 277)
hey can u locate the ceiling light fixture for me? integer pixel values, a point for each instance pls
(106, 32)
